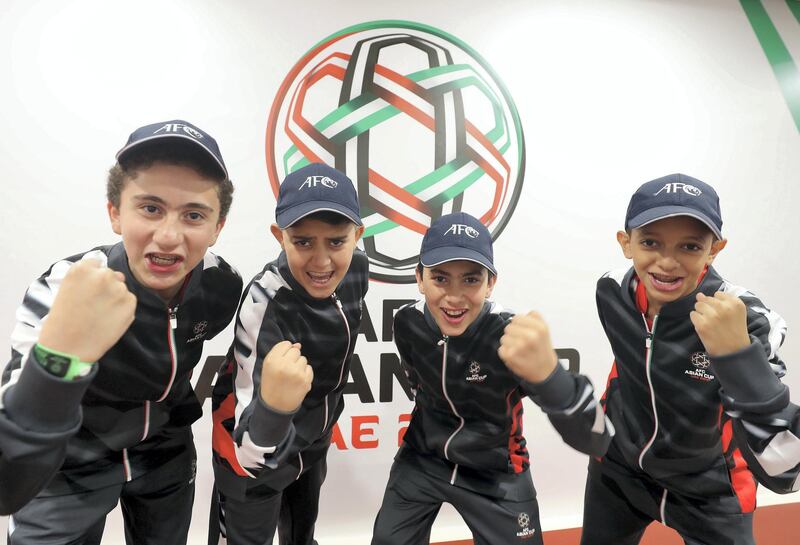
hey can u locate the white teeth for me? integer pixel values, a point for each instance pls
(163, 260)
(454, 313)
(320, 277)
(665, 279)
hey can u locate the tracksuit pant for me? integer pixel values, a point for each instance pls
(156, 509)
(253, 520)
(619, 504)
(413, 499)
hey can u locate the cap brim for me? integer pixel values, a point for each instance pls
(127, 149)
(663, 212)
(292, 215)
(444, 254)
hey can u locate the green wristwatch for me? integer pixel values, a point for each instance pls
(61, 365)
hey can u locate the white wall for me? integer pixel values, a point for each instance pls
(611, 94)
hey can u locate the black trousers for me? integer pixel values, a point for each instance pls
(413, 499)
(619, 505)
(156, 509)
(254, 520)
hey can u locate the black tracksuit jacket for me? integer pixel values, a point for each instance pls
(697, 425)
(468, 405)
(260, 450)
(110, 426)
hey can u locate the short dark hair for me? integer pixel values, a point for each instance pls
(172, 153)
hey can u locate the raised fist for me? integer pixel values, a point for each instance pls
(526, 349)
(721, 323)
(92, 310)
(286, 377)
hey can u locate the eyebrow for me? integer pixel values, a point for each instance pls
(159, 200)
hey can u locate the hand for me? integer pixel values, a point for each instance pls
(526, 349)
(721, 323)
(92, 310)
(286, 377)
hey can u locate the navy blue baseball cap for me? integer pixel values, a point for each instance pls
(675, 195)
(175, 130)
(316, 188)
(454, 237)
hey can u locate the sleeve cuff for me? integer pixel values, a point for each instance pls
(39, 401)
(268, 427)
(746, 375)
(556, 392)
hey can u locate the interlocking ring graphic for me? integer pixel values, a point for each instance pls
(416, 118)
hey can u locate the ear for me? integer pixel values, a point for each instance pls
(624, 240)
(420, 285)
(359, 232)
(113, 215)
(492, 281)
(277, 233)
(716, 247)
(220, 225)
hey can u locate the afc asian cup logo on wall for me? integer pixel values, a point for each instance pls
(416, 118)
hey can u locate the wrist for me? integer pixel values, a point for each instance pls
(61, 364)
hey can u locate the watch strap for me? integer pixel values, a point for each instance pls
(60, 364)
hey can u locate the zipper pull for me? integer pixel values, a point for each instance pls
(648, 341)
(173, 318)
(442, 341)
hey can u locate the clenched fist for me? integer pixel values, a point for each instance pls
(285, 377)
(526, 349)
(92, 310)
(721, 323)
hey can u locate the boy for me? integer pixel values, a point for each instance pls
(96, 405)
(694, 392)
(470, 364)
(279, 393)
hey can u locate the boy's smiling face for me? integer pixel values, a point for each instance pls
(318, 253)
(168, 216)
(669, 255)
(454, 293)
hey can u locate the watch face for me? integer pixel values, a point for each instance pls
(56, 365)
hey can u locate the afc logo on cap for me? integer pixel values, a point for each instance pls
(180, 127)
(313, 181)
(459, 228)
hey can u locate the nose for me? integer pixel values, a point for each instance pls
(667, 262)
(321, 259)
(169, 232)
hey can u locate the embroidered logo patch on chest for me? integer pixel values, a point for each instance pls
(474, 373)
(199, 331)
(700, 363)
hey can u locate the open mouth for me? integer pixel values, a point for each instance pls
(454, 316)
(163, 262)
(664, 282)
(319, 279)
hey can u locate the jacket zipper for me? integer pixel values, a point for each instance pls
(344, 359)
(444, 342)
(648, 368)
(173, 351)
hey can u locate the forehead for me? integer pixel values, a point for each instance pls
(171, 183)
(459, 267)
(677, 226)
(313, 228)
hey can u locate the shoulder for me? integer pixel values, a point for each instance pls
(408, 314)
(59, 269)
